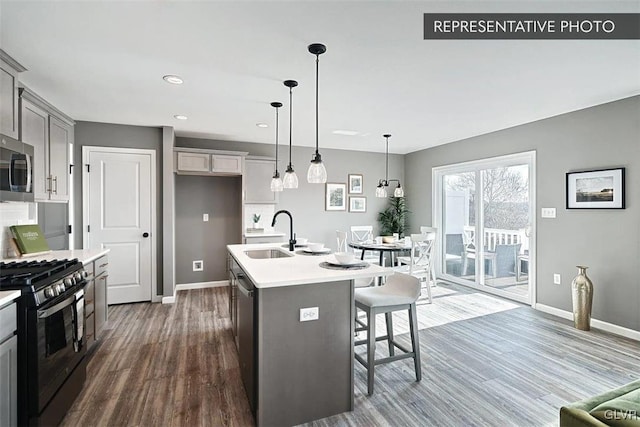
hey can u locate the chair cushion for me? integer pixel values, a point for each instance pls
(620, 411)
(400, 289)
(617, 407)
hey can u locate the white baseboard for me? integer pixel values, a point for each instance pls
(202, 285)
(595, 323)
(169, 300)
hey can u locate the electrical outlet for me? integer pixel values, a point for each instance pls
(556, 279)
(309, 313)
(548, 213)
(205, 217)
(198, 265)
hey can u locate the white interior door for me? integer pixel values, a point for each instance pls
(119, 214)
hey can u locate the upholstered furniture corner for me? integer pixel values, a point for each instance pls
(619, 407)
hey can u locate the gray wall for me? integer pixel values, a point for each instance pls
(221, 198)
(608, 241)
(306, 204)
(124, 136)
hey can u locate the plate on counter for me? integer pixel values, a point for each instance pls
(321, 251)
(355, 262)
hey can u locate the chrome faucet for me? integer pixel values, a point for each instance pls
(292, 238)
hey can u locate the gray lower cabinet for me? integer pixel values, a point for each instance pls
(95, 297)
(8, 367)
(285, 363)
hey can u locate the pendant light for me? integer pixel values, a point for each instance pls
(317, 174)
(290, 178)
(276, 181)
(381, 189)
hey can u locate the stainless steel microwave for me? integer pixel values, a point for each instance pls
(16, 170)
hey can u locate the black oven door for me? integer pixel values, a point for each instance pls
(60, 344)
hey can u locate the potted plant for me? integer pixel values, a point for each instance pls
(394, 218)
(256, 220)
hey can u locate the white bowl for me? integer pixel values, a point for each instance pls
(315, 247)
(301, 240)
(344, 257)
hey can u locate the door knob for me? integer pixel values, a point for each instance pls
(145, 234)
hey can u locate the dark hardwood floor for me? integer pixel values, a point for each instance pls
(486, 362)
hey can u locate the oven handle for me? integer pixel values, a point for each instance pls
(49, 311)
(78, 313)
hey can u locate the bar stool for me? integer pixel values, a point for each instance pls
(400, 292)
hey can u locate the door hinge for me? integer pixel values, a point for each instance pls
(88, 229)
(88, 167)
(70, 168)
(69, 229)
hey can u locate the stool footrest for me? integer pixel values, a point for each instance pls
(394, 358)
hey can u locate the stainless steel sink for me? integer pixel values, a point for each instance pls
(268, 253)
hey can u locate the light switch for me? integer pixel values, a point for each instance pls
(205, 217)
(309, 313)
(556, 279)
(548, 213)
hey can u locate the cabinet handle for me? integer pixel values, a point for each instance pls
(48, 185)
(55, 179)
(103, 265)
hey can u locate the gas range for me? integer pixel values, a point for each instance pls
(41, 281)
(51, 336)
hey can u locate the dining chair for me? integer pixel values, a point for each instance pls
(420, 263)
(400, 292)
(363, 233)
(341, 237)
(424, 229)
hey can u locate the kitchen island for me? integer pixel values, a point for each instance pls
(294, 326)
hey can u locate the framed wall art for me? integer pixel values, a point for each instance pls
(336, 196)
(357, 204)
(596, 189)
(356, 185)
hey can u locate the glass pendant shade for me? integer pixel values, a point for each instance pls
(398, 192)
(276, 184)
(317, 174)
(381, 191)
(290, 180)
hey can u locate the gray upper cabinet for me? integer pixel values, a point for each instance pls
(51, 134)
(60, 139)
(9, 70)
(193, 161)
(257, 181)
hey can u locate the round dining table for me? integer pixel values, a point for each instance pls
(382, 248)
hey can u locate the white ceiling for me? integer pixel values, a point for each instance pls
(104, 61)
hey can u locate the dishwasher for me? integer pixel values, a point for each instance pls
(246, 339)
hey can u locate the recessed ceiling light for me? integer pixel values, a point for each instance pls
(346, 132)
(174, 80)
(180, 117)
(262, 125)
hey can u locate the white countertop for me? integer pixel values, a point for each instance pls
(295, 270)
(7, 296)
(269, 234)
(84, 255)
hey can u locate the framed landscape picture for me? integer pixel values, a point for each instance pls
(355, 184)
(357, 204)
(336, 196)
(597, 189)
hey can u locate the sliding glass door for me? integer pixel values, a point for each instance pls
(485, 211)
